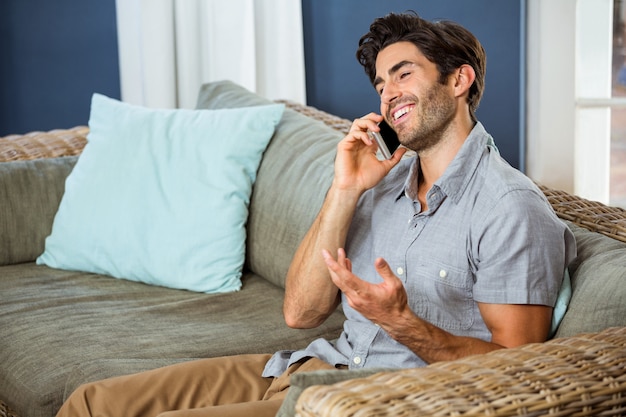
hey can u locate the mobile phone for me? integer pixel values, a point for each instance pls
(387, 139)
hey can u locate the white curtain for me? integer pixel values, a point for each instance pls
(169, 48)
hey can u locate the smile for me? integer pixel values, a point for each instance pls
(401, 112)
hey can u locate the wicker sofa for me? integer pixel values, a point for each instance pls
(63, 328)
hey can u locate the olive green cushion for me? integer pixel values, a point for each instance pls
(294, 175)
(30, 192)
(598, 284)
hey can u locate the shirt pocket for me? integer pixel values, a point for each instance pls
(442, 295)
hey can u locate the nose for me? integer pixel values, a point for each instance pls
(390, 93)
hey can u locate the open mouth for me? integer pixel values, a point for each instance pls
(399, 114)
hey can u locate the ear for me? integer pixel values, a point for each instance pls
(465, 77)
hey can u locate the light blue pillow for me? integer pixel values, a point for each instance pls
(162, 196)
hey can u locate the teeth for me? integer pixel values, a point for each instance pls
(402, 112)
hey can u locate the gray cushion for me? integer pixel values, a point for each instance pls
(58, 321)
(598, 285)
(30, 192)
(297, 170)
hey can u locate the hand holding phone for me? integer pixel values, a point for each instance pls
(387, 139)
(382, 146)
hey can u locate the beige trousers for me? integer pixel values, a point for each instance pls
(226, 386)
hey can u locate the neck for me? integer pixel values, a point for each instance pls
(434, 161)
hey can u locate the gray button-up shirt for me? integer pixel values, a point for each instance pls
(488, 235)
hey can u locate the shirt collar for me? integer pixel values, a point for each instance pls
(457, 176)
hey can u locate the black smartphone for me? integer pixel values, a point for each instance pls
(387, 139)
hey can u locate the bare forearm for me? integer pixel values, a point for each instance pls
(310, 295)
(510, 325)
(434, 344)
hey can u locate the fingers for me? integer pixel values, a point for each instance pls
(360, 127)
(391, 282)
(397, 155)
(368, 122)
(341, 271)
(384, 270)
(360, 130)
(341, 274)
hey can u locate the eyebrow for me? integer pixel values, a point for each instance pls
(393, 70)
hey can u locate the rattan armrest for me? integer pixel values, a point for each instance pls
(35, 145)
(592, 215)
(582, 376)
(5, 411)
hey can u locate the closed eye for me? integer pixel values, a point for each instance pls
(399, 70)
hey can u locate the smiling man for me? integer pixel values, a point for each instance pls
(448, 253)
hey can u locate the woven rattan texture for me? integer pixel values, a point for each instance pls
(331, 120)
(593, 215)
(5, 411)
(577, 376)
(52, 144)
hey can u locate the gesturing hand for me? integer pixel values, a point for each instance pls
(382, 303)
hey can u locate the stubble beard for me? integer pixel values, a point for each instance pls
(433, 116)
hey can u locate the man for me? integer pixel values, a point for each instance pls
(451, 252)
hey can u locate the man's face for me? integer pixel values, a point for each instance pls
(412, 100)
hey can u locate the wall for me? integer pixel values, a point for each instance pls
(336, 81)
(55, 55)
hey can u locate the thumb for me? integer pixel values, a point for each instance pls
(384, 270)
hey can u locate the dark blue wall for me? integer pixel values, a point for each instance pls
(336, 81)
(55, 55)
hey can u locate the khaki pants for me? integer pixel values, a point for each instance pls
(227, 386)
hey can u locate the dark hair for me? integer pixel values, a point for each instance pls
(447, 44)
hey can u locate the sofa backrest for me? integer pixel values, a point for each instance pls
(291, 184)
(30, 193)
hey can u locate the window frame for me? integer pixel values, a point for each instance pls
(569, 95)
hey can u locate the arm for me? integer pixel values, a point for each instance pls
(386, 305)
(511, 325)
(310, 295)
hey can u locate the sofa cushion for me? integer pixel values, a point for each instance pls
(297, 169)
(57, 325)
(161, 196)
(598, 277)
(30, 192)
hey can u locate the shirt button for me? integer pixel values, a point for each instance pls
(356, 360)
(443, 273)
(399, 270)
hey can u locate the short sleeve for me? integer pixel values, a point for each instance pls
(521, 249)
